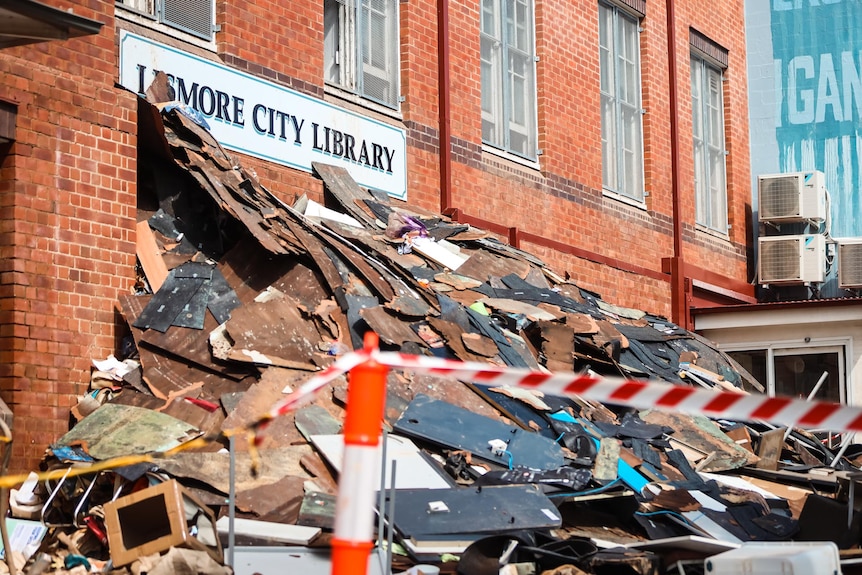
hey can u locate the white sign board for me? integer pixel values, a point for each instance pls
(257, 117)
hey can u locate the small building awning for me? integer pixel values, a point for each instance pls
(27, 22)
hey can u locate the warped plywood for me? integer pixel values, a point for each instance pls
(704, 436)
(167, 377)
(390, 328)
(483, 265)
(273, 332)
(272, 465)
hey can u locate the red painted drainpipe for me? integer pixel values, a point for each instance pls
(443, 88)
(679, 299)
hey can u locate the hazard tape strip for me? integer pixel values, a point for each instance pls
(308, 389)
(620, 391)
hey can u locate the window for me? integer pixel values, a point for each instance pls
(622, 128)
(361, 48)
(509, 76)
(795, 372)
(196, 17)
(709, 153)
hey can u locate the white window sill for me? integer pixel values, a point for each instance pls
(509, 157)
(714, 234)
(635, 203)
(334, 94)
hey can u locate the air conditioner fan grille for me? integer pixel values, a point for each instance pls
(780, 260)
(779, 197)
(850, 265)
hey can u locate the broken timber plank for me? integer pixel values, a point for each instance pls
(279, 501)
(224, 197)
(518, 307)
(558, 345)
(168, 378)
(479, 344)
(344, 189)
(582, 323)
(150, 257)
(452, 334)
(391, 329)
(700, 433)
(373, 275)
(315, 250)
(769, 450)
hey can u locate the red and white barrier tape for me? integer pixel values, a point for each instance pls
(307, 390)
(637, 394)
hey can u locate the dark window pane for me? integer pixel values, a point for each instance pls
(796, 375)
(754, 362)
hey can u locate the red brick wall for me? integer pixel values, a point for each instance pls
(67, 212)
(279, 41)
(67, 185)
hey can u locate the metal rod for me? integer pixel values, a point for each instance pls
(840, 454)
(231, 535)
(811, 396)
(381, 501)
(391, 523)
(818, 385)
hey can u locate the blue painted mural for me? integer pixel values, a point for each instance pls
(805, 77)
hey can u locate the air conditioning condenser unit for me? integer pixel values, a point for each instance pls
(850, 263)
(792, 197)
(797, 259)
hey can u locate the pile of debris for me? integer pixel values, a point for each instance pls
(242, 298)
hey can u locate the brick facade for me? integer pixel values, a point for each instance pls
(67, 216)
(68, 181)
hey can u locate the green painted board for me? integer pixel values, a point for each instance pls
(114, 430)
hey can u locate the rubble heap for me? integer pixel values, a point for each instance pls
(242, 297)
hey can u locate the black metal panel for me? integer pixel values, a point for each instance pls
(167, 303)
(452, 511)
(457, 428)
(222, 298)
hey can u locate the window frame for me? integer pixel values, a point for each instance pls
(621, 118)
(709, 144)
(841, 346)
(347, 25)
(511, 43)
(159, 12)
(819, 350)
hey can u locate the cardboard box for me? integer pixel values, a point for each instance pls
(157, 518)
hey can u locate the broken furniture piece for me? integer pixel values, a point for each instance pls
(158, 518)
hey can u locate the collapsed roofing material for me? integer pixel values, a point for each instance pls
(242, 296)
